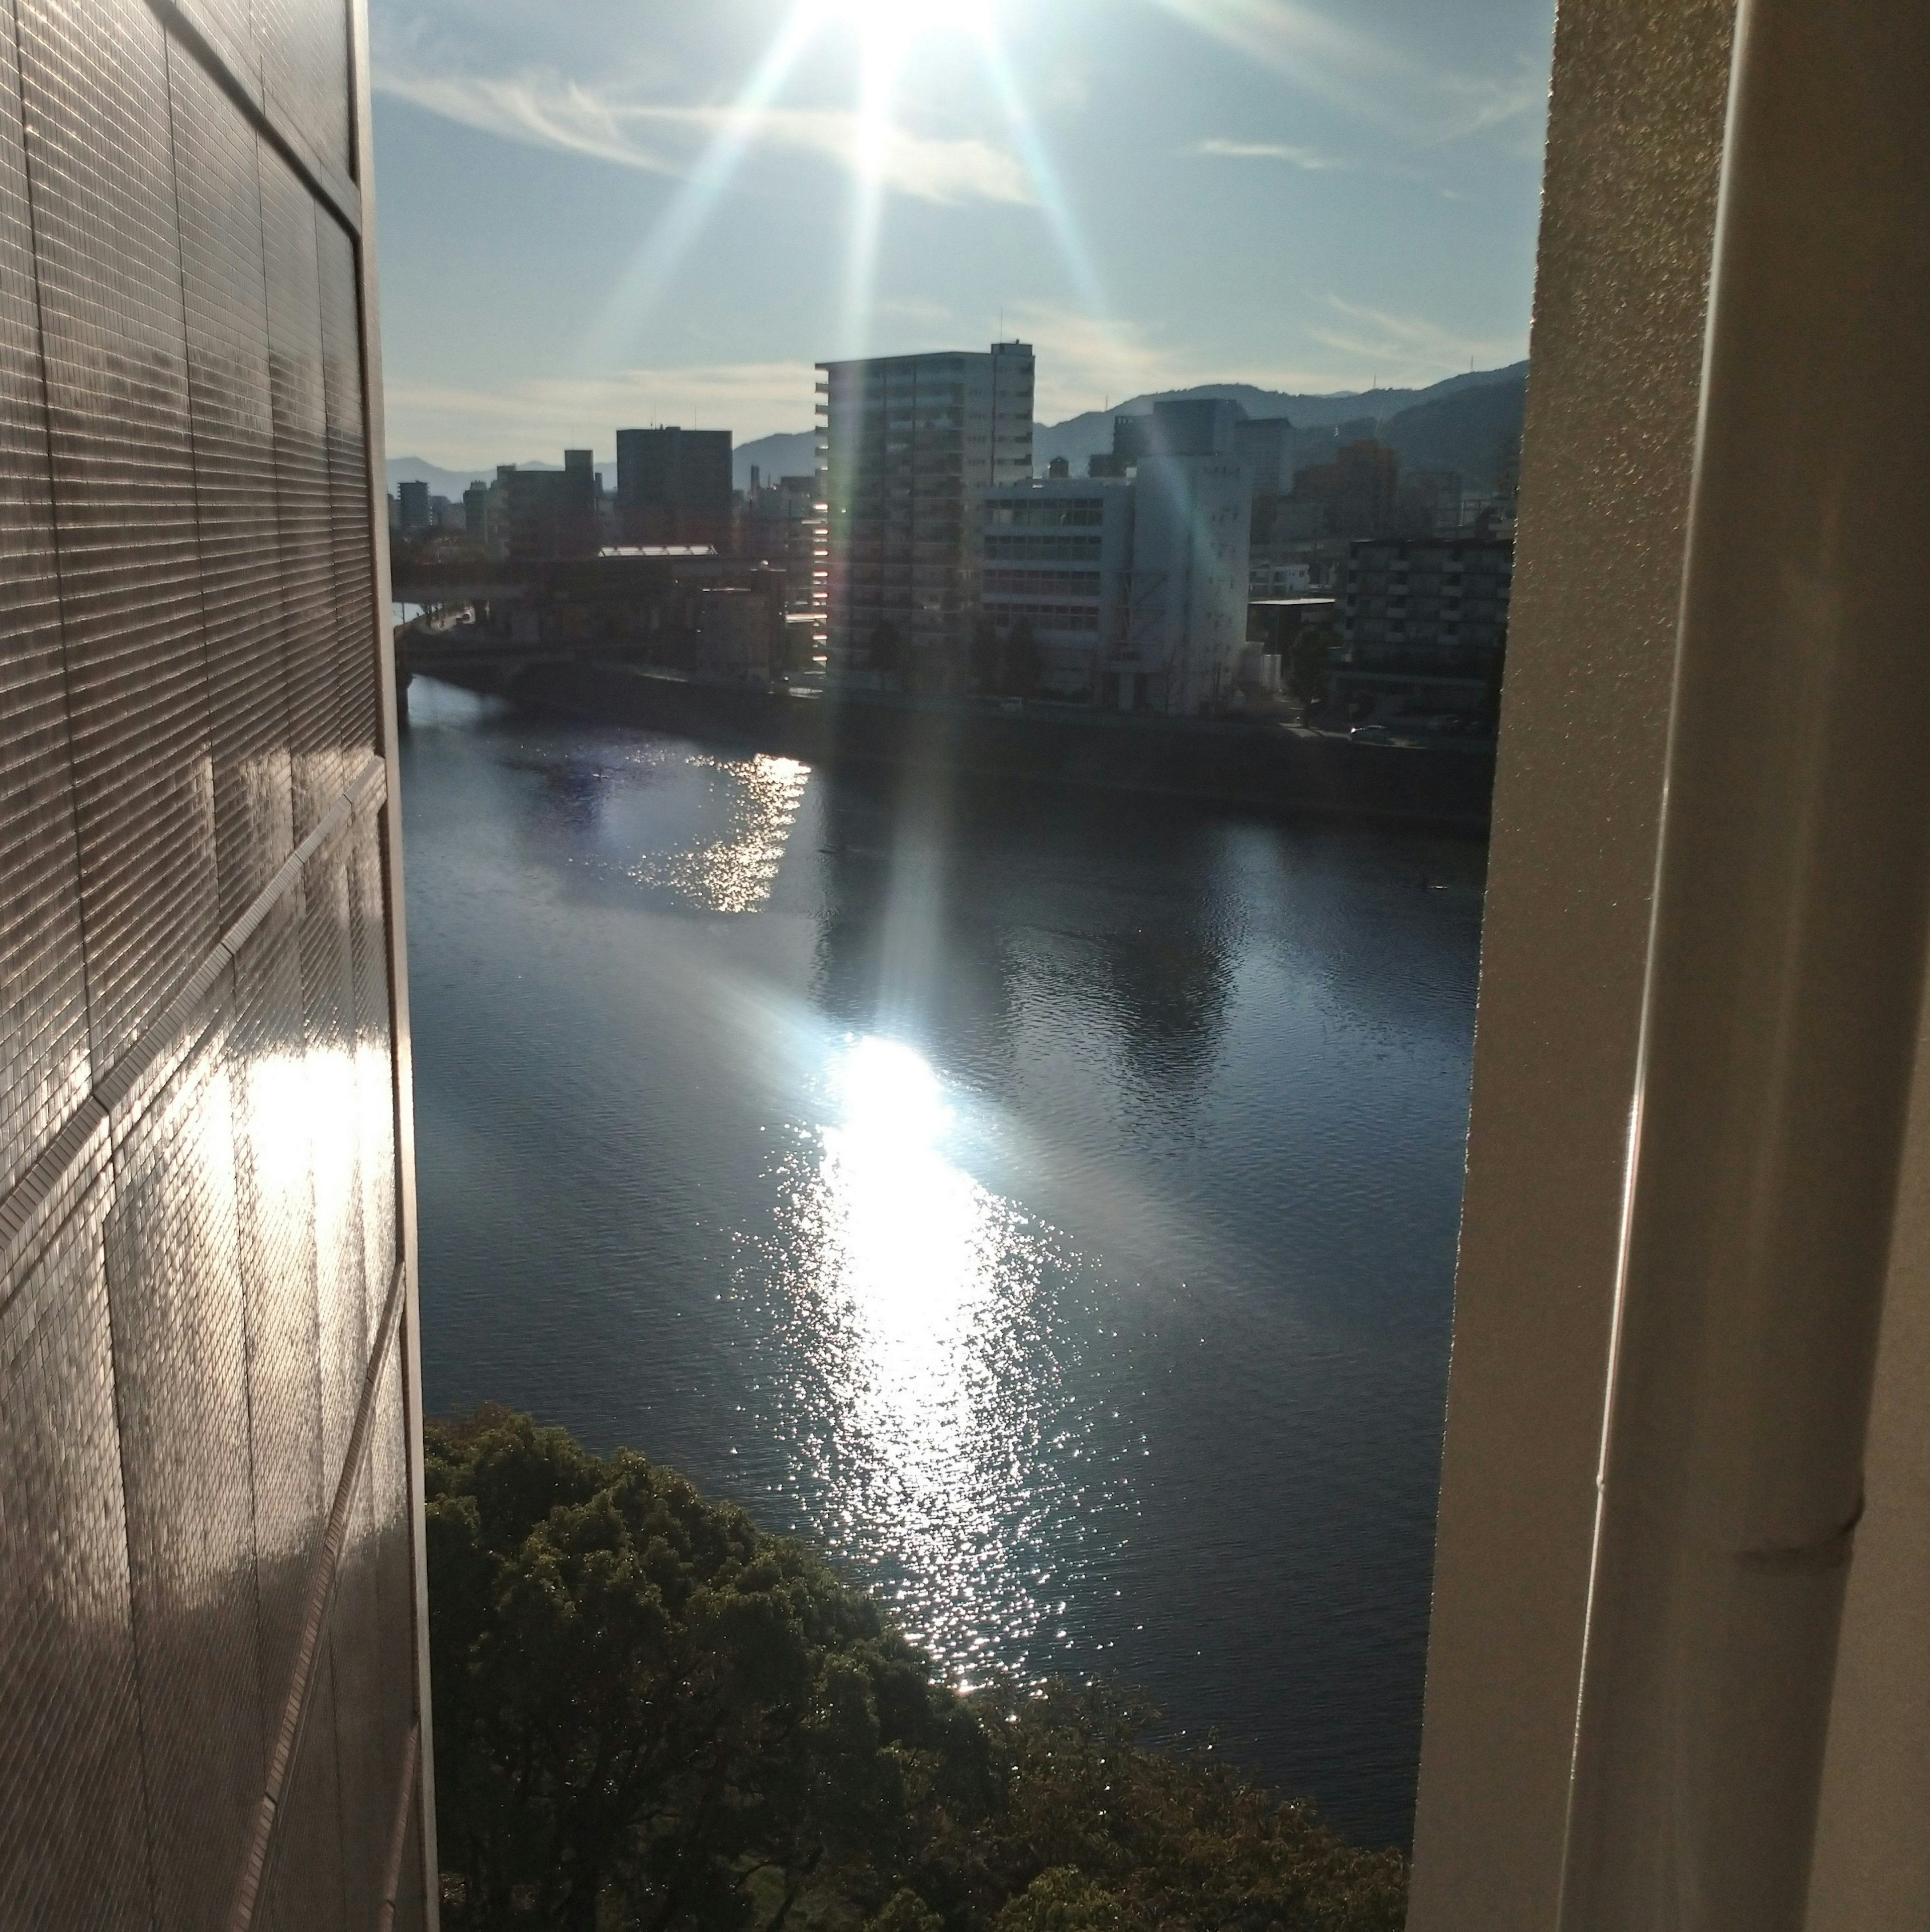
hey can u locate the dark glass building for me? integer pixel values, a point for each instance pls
(673, 486)
(209, 1627)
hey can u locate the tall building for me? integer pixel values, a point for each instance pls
(1266, 445)
(416, 514)
(211, 1640)
(673, 486)
(1357, 490)
(1187, 611)
(912, 442)
(782, 524)
(552, 513)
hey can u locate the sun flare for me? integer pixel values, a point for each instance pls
(898, 24)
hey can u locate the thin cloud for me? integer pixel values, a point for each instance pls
(1411, 348)
(1368, 76)
(457, 427)
(548, 110)
(1311, 159)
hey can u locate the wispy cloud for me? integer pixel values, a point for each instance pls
(1410, 349)
(1311, 159)
(1368, 77)
(459, 427)
(1513, 106)
(546, 110)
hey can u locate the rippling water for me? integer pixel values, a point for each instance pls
(1045, 1202)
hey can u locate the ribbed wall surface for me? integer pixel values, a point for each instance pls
(207, 1622)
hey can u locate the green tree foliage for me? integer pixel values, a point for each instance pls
(650, 1714)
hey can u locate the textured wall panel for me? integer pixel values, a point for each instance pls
(375, 1059)
(329, 1090)
(43, 989)
(350, 509)
(188, 669)
(305, 50)
(366, 1755)
(302, 489)
(411, 1911)
(275, 1193)
(394, 1561)
(304, 1880)
(73, 1826)
(225, 286)
(174, 1288)
(109, 272)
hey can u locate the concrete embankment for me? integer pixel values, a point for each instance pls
(1263, 765)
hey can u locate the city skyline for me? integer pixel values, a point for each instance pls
(587, 226)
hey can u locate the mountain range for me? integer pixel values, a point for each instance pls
(1459, 424)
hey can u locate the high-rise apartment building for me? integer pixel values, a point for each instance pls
(912, 442)
(210, 1632)
(673, 486)
(415, 512)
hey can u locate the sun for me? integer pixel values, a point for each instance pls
(900, 24)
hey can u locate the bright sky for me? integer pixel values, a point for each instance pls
(597, 212)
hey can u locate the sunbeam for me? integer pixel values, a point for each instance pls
(644, 283)
(1047, 188)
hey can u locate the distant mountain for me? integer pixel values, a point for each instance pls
(794, 455)
(1455, 413)
(1463, 431)
(1456, 424)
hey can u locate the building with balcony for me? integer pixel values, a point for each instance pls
(912, 444)
(782, 523)
(1422, 622)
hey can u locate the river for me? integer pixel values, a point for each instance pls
(1045, 1202)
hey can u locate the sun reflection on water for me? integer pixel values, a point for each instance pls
(915, 1292)
(735, 874)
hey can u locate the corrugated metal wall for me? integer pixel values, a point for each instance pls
(208, 1670)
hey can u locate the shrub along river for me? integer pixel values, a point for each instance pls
(1045, 1201)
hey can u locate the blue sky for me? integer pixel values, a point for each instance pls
(596, 212)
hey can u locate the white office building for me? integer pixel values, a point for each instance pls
(1056, 556)
(1186, 606)
(1134, 588)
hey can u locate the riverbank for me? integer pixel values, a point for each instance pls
(1263, 766)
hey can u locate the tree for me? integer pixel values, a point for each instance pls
(649, 1714)
(1309, 658)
